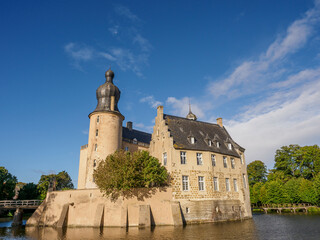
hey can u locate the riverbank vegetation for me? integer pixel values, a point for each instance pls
(124, 171)
(295, 177)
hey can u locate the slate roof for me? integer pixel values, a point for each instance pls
(181, 129)
(140, 136)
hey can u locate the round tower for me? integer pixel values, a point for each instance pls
(105, 132)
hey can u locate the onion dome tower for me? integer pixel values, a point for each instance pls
(105, 132)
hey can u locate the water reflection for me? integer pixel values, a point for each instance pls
(230, 230)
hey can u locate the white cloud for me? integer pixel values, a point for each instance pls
(249, 75)
(293, 119)
(79, 53)
(142, 127)
(126, 12)
(151, 101)
(180, 107)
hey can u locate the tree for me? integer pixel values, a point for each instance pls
(255, 190)
(7, 184)
(292, 190)
(316, 187)
(257, 172)
(123, 171)
(306, 192)
(309, 162)
(287, 160)
(62, 181)
(275, 193)
(29, 191)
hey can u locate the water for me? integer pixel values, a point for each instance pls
(261, 227)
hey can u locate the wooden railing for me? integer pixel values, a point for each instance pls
(20, 203)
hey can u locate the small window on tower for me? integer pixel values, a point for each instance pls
(97, 133)
(98, 119)
(94, 163)
(95, 147)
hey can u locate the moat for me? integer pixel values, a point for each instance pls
(262, 226)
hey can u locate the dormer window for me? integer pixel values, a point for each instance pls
(135, 141)
(210, 143)
(218, 144)
(192, 140)
(229, 146)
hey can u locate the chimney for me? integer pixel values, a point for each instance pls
(129, 125)
(219, 122)
(160, 110)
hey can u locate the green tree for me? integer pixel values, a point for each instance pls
(275, 192)
(7, 184)
(123, 171)
(292, 190)
(255, 193)
(29, 191)
(309, 162)
(287, 160)
(62, 181)
(316, 187)
(257, 172)
(306, 192)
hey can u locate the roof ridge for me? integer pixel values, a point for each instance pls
(191, 120)
(137, 131)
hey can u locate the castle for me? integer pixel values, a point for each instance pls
(207, 169)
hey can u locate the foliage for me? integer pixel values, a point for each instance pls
(29, 191)
(7, 184)
(295, 177)
(62, 181)
(123, 171)
(257, 172)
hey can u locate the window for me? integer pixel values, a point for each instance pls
(213, 160)
(227, 185)
(164, 156)
(241, 158)
(215, 184)
(192, 140)
(210, 143)
(244, 181)
(229, 146)
(126, 149)
(183, 157)
(94, 163)
(225, 162)
(97, 132)
(232, 163)
(185, 183)
(235, 185)
(218, 144)
(199, 158)
(201, 183)
(135, 141)
(98, 119)
(95, 147)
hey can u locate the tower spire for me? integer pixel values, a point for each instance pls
(190, 115)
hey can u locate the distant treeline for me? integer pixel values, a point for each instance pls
(295, 177)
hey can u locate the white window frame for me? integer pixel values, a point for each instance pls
(185, 183)
(201, 183)
(199, 159)
(218, 145)
(215, 184)
(192, 140)
(235, 185)
(229, 146)
(244, 181)
(213, 160)
(183, 157)
(227, 184)
(225, 162)
(233, 164)
(209, 143)
(165, 158)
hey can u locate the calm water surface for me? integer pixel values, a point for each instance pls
(262, 226)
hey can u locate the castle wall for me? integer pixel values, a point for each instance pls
(82, 167)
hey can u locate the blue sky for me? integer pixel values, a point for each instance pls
(256, 64)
